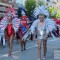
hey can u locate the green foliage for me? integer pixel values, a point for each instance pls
(58, 14)
(41, 3)
(52, 9)
(30, 6)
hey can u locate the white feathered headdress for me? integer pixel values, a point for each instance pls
(41, 10)
(23, 13)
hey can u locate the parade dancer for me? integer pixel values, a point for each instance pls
(44, 26)
(10, 33)
(22, 30)
(10, 26)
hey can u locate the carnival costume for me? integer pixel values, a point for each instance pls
(15, 22)
(23, 27)
(48, 25)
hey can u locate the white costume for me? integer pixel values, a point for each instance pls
(3, 24)
(16, 23)
(40, 10)
(47, 27)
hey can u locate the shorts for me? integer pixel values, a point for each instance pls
(41, 37)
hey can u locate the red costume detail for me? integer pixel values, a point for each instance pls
(9, 30)
(57, 21)
(24, 17)
(24, 23)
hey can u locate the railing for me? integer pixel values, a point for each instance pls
(4, 1)
(4, 4)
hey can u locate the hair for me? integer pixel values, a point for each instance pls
(10, 20)
(41, 15)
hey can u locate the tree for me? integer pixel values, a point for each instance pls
(41, 3)
(30, 6)
(52, 11)
(58, 14)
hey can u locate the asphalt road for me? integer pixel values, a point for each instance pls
(53, 48)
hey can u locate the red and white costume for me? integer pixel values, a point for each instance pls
(57, 21)
(25, 21)
(4, 22)
(23, 26)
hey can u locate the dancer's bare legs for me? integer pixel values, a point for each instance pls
(10, 40)
(39, 49)
(45, 47)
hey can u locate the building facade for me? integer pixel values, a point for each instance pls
(5, 4)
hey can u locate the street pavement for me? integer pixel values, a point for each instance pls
(53, 51)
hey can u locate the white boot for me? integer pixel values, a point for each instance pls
(44, 58)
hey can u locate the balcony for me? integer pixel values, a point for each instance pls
(4, 1)
(4, 4)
